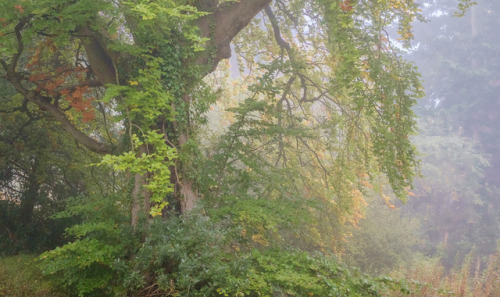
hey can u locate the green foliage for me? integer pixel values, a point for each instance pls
(384, 239)
(167, 14)
(192, 256)
(157, 163)
(86, 266)
(144, 99)
(197, 257)
(320, 119)
(463, 7)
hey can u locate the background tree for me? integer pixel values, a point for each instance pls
(386, 238)
(41, 167)
(456, 196)
(460, 82)
(452, 198)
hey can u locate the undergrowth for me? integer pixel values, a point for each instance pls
(472, 277)
(21, 277)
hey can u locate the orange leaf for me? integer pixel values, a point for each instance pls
(19, 7)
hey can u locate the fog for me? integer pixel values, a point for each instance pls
(302, 165)
(454, 214)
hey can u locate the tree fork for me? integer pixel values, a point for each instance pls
(223, 25)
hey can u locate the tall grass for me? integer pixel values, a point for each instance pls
(473, 277)
(20, 277)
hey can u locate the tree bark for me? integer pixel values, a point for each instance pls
(30, 197)
(222, 25)
(189, 196)
(140, 195)
(100, 59)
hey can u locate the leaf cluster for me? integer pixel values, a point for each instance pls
(86, 265)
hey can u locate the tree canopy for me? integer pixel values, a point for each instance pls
(331, 90)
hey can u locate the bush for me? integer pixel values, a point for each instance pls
(189, 256)
(196, 257)
(86, 265)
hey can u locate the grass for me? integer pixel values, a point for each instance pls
(472, 278)
(20, 277)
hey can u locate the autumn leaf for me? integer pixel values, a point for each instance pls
(345, 6)
(19, 8)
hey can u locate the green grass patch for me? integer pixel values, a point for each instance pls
(20, 277)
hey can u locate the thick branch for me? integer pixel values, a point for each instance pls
(223, 25)
(102, 66)
(88, 83)
(277, 33)
(59, 115)
(99, 58)
(20, 45)
(78, 135)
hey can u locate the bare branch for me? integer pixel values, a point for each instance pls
(277, 33)
(44, 104)
(20, 45)
(325, 171)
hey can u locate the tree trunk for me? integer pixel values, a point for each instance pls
(30, 197)
(189, 196)
(140, 195)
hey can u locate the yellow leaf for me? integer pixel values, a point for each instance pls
(257, 238)
(133, 83)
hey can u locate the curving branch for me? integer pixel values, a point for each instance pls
(277, 32)
(104, 72)
(44, 104)
(20, 45)
(78, 135)
(223, 25)
(99, 58)
(286, 46)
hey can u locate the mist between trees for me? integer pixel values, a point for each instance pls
(249, 148)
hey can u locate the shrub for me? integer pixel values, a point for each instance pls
(86, 265)
(197, 257)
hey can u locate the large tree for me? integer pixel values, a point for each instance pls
(330, 105)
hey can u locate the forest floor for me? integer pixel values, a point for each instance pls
(21, 277)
